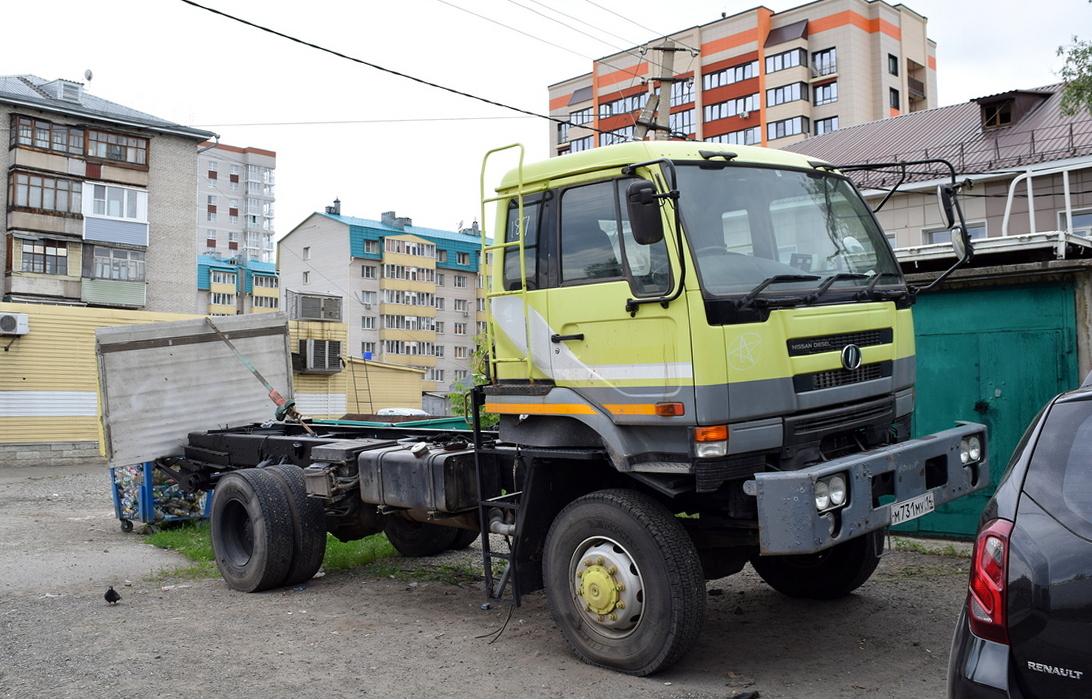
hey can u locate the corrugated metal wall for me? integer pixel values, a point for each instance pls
(49, 377)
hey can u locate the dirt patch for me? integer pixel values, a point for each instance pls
(357, 633)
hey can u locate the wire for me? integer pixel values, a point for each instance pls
(360, 121)
(369, 64)
(637, 24)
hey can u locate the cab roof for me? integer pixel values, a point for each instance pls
(541, 173)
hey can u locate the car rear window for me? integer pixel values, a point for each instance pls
(1060, 474)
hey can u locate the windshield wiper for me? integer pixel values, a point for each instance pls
(812, 298)
(869, 291)
(775, 279)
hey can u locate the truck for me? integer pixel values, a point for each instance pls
(701, 356)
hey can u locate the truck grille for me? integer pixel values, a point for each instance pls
(803, 346)
(840, 377)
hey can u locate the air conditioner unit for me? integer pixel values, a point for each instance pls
(318, 357)
(367, 305)
(14, 324)
(310, 307)
(744, 115)
(466, 314)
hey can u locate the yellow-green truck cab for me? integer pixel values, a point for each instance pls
(730, 327)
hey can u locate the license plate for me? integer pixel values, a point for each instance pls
(912, 509)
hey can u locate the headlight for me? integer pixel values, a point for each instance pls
(830, 492)
(970, 450)
(837, 490)
(822, 495)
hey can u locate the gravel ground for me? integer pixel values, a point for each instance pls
(352, 634)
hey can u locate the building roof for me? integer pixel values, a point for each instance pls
(434, 233)
(69, 97)
(1038, 133)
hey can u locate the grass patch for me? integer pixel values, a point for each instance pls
(193, 540)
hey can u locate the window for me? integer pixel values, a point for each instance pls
(562, 132)
(368, 297)
(745, 137)
(580, 144)
(1082, 223)
(581, 116)
(483, 327)
(625, 105)
(823, 126)
(367, 322)
(439, 303)
(997, 114)
(462, 305)
(265, 302)
(682, 122)
(825, 94)
(460, 280)
(597, 244)
(119, 202)
(436, 375)
(729, 76)
(210, 216)
(824, 62)
(306, 277)
(461, 374)
(461, 353)
(368, 271)
(112, 146)
(371, 247)
(439, 280)
(122, 265)
(409, 247)
(931, 236)
(439, 327)
(36, 133)
(892, 64)
(367, 349)
(786, 93)
(221, 277)
(481, 305)
(730, 108)
(786, 60)
(894, 98)
(682, 92)
(222, 299)
(263, 281)
(462, 258)
(46, 193)
(460, 328)
(45, 256)
(307, 253)
(787, 127)
(441, 255)
(622, 135)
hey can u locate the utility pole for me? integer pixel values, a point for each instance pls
(659, 104)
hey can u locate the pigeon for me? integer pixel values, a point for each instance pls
(112, 597)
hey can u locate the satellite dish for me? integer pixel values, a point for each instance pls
(87, 75)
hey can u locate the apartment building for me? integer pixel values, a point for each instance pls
(235, 206)
(756, 78)
(93, 200)
(410, 295)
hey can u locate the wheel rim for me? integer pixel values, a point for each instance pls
(239, 542)
(606, 586)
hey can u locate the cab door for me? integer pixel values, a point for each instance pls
(620, 361)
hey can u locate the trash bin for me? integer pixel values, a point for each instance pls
(144, 493)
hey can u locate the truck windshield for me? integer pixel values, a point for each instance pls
(809, 230)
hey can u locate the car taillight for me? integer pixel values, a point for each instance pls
(989, 582)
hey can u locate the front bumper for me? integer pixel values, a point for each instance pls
(878, 481)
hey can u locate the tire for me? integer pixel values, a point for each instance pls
(308, 523)
(251, 530)
(827, 574)
(623, 538)
(463, 539)
(417, 539)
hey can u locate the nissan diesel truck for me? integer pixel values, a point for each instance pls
(701, 356)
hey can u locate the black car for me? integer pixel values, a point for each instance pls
(1026, 629)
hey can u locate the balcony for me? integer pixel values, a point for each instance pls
(916, 88)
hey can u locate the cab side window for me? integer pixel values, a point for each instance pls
(532, 214)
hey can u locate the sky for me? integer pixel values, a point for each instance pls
(379, 142)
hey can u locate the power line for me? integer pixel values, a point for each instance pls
(637, 24)
(357, 121)
(369, 64)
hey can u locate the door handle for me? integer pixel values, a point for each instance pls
(565, 338)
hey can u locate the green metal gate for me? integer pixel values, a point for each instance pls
(992, 355)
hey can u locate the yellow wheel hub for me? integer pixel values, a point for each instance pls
(599, 590)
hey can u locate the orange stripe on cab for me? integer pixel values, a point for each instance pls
(539, 409)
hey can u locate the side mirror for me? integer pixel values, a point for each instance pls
(643, 207)
(947, 208)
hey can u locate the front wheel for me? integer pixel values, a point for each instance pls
(828, 574)
(624, 582)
